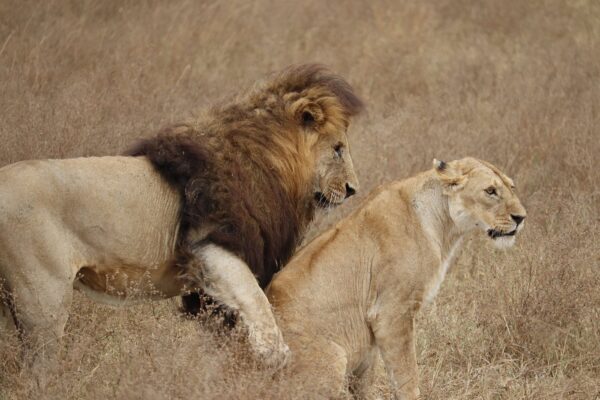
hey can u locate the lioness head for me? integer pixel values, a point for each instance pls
(481, 196)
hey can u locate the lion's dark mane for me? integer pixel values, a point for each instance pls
(252, 214)
(224, 171)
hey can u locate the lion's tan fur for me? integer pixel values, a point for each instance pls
(219, 192)
(356, 288)
(109, 219)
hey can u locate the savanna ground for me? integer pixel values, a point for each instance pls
(513, 82)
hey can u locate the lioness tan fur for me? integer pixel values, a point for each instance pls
(258, 165)
(355, 289)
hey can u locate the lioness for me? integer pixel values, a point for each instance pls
(356, 288)
(208, 206)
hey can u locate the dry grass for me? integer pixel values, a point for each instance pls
(513, 82)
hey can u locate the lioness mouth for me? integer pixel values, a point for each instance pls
(493, 233)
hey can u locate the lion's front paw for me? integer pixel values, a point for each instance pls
(272, 353)
(275, 358)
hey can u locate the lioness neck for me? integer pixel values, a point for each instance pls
(424, 235)
(430, 205)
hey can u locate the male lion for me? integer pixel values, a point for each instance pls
(204, 206)
(356, 288)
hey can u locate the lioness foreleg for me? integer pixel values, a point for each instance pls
(361, 383)
(394, 335)
(229, 280)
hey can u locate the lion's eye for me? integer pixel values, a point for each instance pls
(339, 149)
(491, 191)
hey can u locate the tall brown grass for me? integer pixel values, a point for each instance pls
(513, 82)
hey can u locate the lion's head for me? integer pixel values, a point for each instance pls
(252, 170)
(481, 196)
(335, 179)
(317, 106)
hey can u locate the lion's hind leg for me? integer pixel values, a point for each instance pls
(191, 304)
(200, 305)
(9, 322)
(40, 311)
(6, 323)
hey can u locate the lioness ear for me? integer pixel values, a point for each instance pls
(450, 176)
(439, 165)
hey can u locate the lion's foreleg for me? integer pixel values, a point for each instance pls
(228, 279)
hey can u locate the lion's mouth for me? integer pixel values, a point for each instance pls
(494, 233)
(324, 202)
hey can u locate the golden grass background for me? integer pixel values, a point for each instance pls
(513, 82)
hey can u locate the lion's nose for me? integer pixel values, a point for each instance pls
(517, 218)
(350, 191)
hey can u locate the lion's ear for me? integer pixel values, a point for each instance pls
(310, 114)
(451, 177)
(306, 112)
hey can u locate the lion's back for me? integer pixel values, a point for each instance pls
(64, 187)
(81, 208)
(23, 186)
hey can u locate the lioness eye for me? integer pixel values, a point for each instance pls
(491, 191)
(339, 149)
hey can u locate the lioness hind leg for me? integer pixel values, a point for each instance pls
(320, 363)
(228, 280)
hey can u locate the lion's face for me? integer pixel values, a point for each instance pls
(324, 122)
(480, 196)
(335, 178)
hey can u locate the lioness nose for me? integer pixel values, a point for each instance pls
(350, 191)
(517, 218)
